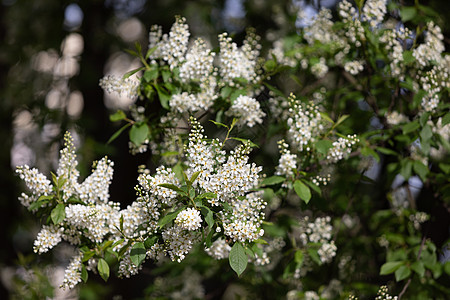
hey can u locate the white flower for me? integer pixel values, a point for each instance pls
(248, 111)
(354, 67)
(219, 249)
(237, 62)
(72, 275)
(47, 238)
(121, 86)
(341, 148)
(305, 124)
(189, 219)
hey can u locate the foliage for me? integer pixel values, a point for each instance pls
(357, 106)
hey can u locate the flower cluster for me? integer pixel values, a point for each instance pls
(173, 46)
(226, 177)
(247, 55)
(72, 275)
(219, 249)
(319, 231)
(36, 182)
(47, 238)
(354, 67)
(383, 294)
(320, 68)
(199, 62)
(430, 52)
(243, 222)
(189, 219)
(287, 161)
(248, 111)
(374, 11)
(122, 86)
(305, 124)
(354, 32)
(341, 148)
(321, 28)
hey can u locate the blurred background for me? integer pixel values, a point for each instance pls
(52, 55)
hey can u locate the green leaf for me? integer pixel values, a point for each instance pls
(410, 127)
(419, 268)
(445, 168)
(173, 188)
(426, 133)
(132, 52)
(164, 97)
(139, 133)
(367, 151)
(227, 206)
(417, 99)
(117, 116)
(386, 151)
(118, 132)
(302, 191)
(272, 180)
(208, 242)
(406, 168)
(225, 92)
(314, 256)
(390, 267)
(138, 253)
(420, 169)
(261, 241)
(208, 215)
(326, 117)
(314, 187)
(245, 141)
(257, 250)
(270, 65)
(87, 255)
(138, 47)
(359, 4)
(207, 195)
(408, 58)
(151, 74)
(194, 177)
(84, 274)
(41, 201)
(150, 52)
(238, 259)
(170, 217)
(166, 74)
(131, 73)
(408, 13)
(219, 124)
(341, 119)
(298, 257)
(58, 213)
(402, 273)
(149, 242)
(124, 248)
(447, 267)
(424, 118)
(61, 182)
(103, 269)
(446, 119)
(323, 146)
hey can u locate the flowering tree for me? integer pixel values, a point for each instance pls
(357, 107)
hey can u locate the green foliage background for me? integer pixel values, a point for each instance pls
(28, 27)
